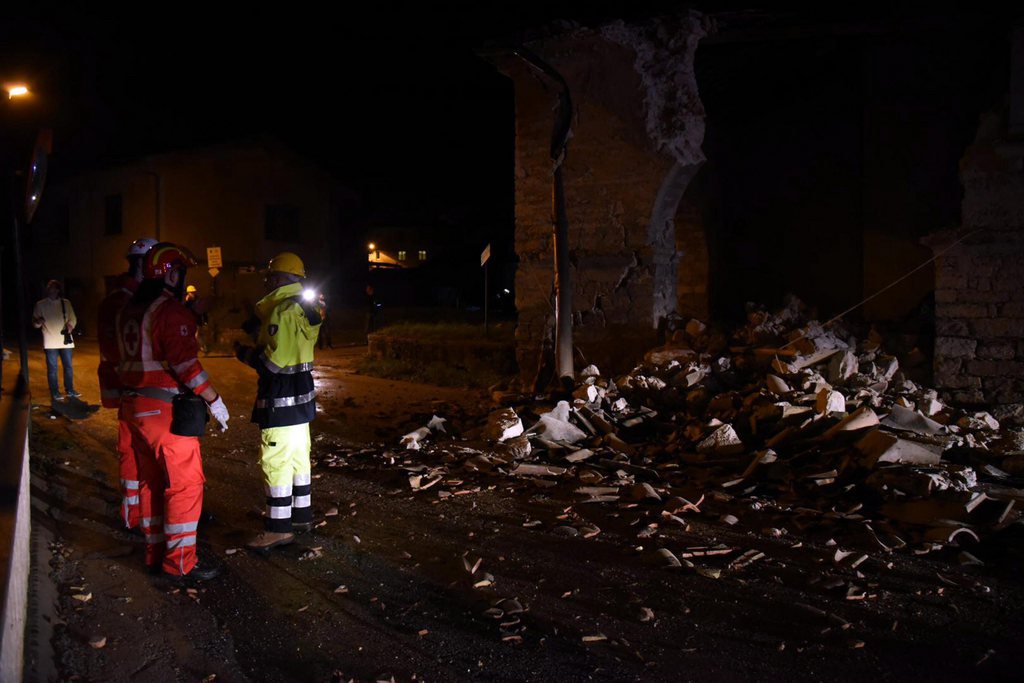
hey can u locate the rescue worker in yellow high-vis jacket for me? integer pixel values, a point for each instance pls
(285, 405)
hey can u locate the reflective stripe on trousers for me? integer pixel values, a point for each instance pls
(284, 457)
(170, 485)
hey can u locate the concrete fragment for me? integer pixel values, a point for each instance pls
(951, 535)
(829, 401)
(588, 393)
(776, 385)
(678, 504)
(528, 470)
(503, 424)
(580, 455)
(879, 446)
(722, 441)
(667, 559)
(812, 359)
(908, 420)
(555, 426)
(842, 367)
(862, 418)
(664, 356)
(643, 492)
(412, 440)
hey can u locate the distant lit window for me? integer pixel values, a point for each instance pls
(113, 213)
(281, 223)
(401, 256)
(423, 254)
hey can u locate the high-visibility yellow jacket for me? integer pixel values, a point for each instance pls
(283, 358)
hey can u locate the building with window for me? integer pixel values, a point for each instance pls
(252, 200)
(400, 247)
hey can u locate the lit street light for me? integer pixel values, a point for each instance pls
(16, 90)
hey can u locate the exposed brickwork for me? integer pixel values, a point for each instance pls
(621, 162)
(979, 297)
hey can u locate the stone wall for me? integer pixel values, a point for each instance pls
(637, 129)
(979, 296)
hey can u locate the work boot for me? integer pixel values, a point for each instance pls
(202, 571)
(266, 540)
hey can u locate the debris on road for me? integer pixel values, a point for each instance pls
(787, 429)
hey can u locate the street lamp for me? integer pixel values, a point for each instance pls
(16, 90)
(25, 193)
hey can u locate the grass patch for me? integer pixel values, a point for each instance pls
(503, 332)
(438, 374)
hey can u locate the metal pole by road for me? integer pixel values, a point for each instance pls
(19, 280)
(560, 218)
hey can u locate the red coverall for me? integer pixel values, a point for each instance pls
(159, 358)
(110, 392)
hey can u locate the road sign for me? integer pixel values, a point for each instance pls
(214, 272)
(213, 259)
(485, 255)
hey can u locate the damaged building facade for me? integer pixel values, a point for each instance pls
(638, 125)
(979, 289)
(721, 159)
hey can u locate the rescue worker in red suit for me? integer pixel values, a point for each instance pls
(159, 359)
(110, 385)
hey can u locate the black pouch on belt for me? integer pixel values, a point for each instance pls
(188, 415)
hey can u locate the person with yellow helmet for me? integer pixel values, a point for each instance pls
(285, 403)
(198, 307)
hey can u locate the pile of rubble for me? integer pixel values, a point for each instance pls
(785, 428)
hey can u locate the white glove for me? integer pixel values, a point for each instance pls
(220, 413)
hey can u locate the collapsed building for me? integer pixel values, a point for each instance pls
(781, 428)
(728, 157)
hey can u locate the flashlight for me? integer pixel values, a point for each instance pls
(308, 294)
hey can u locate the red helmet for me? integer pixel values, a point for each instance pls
(164, 257)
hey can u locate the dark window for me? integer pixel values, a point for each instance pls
(113, 212)
(281, 223)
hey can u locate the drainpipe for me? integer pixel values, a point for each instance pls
(560, 135)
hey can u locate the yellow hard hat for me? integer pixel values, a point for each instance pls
(287, 262)
(190, 289)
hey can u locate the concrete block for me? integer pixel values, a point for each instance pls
(951, 327)
(956, 347)
(996, 351)
(879, 446)
(1006, 327)
(964, 310)
(995, 368)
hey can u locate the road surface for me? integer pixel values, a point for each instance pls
(385, 587)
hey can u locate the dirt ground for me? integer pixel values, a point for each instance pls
(385, 587)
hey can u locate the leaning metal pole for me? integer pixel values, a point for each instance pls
(19, 292)
(560, 135)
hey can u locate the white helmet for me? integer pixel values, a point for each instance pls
(140, 246)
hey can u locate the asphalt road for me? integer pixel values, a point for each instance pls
(384, 588)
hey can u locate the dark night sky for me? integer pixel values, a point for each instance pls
(392, 99)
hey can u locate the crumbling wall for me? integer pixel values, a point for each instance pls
(637, 131)
(979, 296)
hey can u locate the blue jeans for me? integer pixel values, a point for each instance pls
(51, 370)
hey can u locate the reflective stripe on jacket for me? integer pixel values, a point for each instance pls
(285, 394)
(159, 352)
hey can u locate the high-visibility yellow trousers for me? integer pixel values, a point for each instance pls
(284, 457)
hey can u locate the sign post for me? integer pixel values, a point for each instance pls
(214, 261)
(485, 256)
